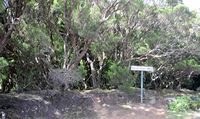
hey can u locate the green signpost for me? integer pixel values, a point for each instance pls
(142, 69)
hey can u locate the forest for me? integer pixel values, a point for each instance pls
(91, 44)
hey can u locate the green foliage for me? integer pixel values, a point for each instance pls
(1, 6)
(182, 9)
(127, 87)
(181, 103)
(130, 31)
(185, 103)
(195, 102)
(142, 48)
(119, 76)
(188, 63)
(3, 62)
(3, 69)
(82, 69)
(195, 105)
(58, 6)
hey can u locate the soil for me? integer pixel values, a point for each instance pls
(93, 104)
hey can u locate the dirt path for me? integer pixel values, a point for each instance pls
(129, 112)
(95, 104)
(119, 105)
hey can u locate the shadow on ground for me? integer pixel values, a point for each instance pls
(95, 104)
(47, 105)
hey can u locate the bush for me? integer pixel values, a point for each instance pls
(3, 70)
(127, 88)
(195, 102)
(82, 69)
(119, 76)
(181, 103)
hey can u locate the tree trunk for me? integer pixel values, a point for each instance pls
(99, 75)
(93, 71)
(65, 54)
(101, 64)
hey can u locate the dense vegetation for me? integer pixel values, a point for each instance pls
(185, 103)
(92, 44)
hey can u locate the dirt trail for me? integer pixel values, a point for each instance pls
(130, 112)
(119, 105)
(96, 104)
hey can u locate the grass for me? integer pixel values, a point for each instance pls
(178, 115)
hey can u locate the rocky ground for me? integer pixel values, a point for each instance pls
(95, 104)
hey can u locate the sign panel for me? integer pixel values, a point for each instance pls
(142, 68)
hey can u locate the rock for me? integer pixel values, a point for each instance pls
(169, 99)
(46, 105)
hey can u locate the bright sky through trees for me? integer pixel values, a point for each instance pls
(192, 4)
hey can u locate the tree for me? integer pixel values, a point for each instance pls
(12, 12)
(95, 36)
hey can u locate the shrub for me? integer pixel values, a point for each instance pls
(126, 87)
(82, 69)
(181, 103)
(3, 69)
(119, 76)
(195, 102)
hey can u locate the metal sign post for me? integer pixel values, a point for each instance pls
(142, 69)
(141, 86)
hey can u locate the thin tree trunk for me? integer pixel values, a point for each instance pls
(65, 54)
(6, 37)
(101, 66)
(93, 71)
